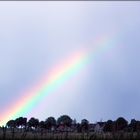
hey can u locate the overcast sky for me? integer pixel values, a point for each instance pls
(36, 36)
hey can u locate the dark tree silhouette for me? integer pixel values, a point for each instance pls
(78, 127)
(64, 120)
(33, 122)
(42, 127)
(11, 124)
(42, 124)
(84, 125)
(21, 122)
(18, 121)
(121, 124)
(138, 126)
(133, 125)
(109, 125)
(50, 122)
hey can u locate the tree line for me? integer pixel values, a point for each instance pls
(65, 128)
(65, 121)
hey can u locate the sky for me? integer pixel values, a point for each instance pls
(39, 37)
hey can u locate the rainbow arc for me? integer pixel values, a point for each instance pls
(56, 78)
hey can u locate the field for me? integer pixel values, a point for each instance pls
(19, 135)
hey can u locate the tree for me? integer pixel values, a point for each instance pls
(121, 124)
(42, 124)
(11, 124)
(138, 126)
(64, 120)
(84, 124)
(109, 126)
(18, 121)
(133, 125)
(78, 127)
(21, 122)
(50, 122)
(24, 122)
(33, 122)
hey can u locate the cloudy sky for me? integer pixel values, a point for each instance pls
(37, 36)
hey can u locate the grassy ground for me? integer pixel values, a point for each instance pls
(68, 136)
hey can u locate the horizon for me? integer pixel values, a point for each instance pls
(73, 120)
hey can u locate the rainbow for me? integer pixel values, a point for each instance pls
(53, 80)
